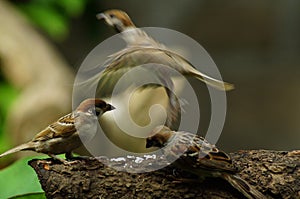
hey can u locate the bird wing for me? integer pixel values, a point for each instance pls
(64, 127)
(209, 156)
(135, 56)
(109, 79)
(200, 154)
(123, 62)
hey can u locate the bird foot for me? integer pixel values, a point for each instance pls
(65, 162)
(183, 177)
(186, 180)
(43, 162)
(81, 158)
(69, 163)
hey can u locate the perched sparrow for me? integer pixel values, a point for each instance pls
(141, 50)
(65, 135)
(194, 154)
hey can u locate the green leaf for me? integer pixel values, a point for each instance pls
(30, 196)
(8, 95)
(48, 19)
(18, 179)
(72, 7)
(4, 142)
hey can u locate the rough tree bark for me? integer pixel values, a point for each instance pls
(275, 173)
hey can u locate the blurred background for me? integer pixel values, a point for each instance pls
(256, 46)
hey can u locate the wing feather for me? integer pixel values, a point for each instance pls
(64, 127)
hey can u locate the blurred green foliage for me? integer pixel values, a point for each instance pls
(30, 196)
(8, 95)
(52, 16)
(19, 179)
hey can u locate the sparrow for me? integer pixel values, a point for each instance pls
(196, 155)
(143, 49)
(68, 132)
(138, 41)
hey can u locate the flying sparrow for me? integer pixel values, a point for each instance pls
(194, 154)
(141, 45)
(143, 49)
(68, 132)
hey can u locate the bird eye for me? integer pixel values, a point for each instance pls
(92, 111)
(97, 113)
(111, 15)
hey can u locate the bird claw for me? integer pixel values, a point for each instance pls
(81, 158)
(65, 162)
(180, 178)
(70, 163)
(186, 180)
(43, 162)
(175, 172)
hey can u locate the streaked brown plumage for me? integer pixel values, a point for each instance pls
(66, 134)
(139, 39)
(194, 154)
(142, 49)
(117, 19)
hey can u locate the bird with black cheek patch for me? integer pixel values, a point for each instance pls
(196, 155)
(158, 64)
(142, 49)
(137, 40)
(68, 132)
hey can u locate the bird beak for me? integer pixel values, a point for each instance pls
(101, 16)
(110, 107)
(148, 143)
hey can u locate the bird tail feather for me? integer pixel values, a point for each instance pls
(242, 186)
(23, 147)
(213, 82)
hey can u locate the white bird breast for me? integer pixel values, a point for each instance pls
(87, 127)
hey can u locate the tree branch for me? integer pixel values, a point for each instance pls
(275, 173)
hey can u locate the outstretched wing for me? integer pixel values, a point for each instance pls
(125, 60)
(135, 56)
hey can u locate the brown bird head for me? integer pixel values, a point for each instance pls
(94, 106)
(160, 137)
(118, 19)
